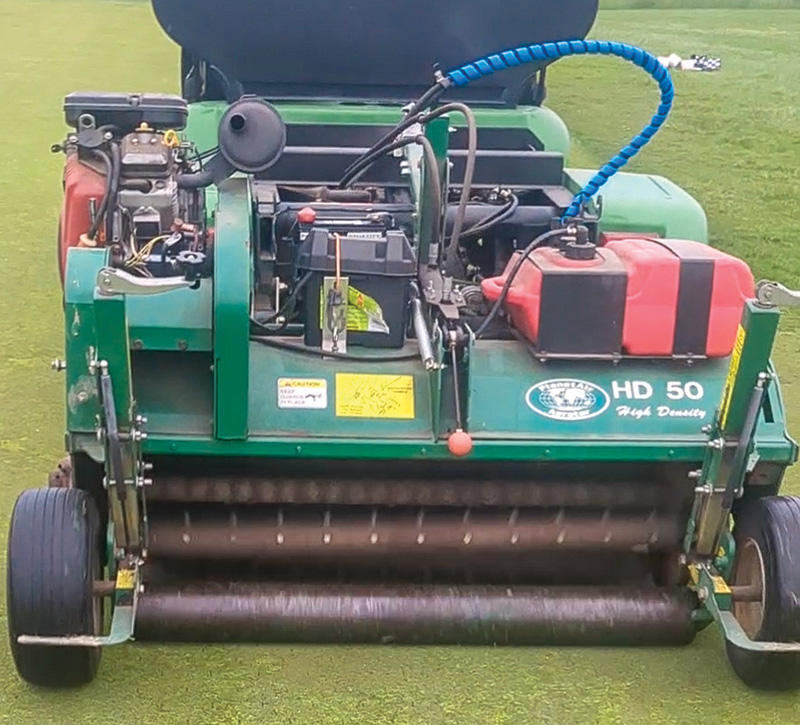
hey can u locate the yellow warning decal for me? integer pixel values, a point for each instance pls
(720, 586)
(374, 396)
(125, 579)
(733, 371)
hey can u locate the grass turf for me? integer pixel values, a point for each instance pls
(734, 141)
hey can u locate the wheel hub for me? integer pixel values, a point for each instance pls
(750, 573)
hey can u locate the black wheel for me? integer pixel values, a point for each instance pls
(767, 533)
(51, 566)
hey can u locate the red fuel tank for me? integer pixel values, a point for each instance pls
(81, 184)
(566, 306)
(641, 297)
(684, 297)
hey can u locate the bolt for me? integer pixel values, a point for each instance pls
(140, 420)
(108, 135)
(717, 444)
(139, 435)
(694, 474)
(147, 467)
(706, 429)
(58, 365)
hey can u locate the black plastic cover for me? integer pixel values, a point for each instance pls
(367, 50)
(388, 256)
(127, 111)
(583, 307)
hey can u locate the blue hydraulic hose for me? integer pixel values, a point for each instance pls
(551, 51)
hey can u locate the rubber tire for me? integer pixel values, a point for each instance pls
(51, 565)
(774, 524)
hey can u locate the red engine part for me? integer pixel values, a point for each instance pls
(82, 183)
(681, 298)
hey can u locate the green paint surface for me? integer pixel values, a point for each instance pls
(733, 142)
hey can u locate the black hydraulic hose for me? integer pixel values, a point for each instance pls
(199, 180)
(538, 242)
(101, 211)
(316, 352)
(380, 147)
(116, 172)
(469, 173)
(400, 143)
(284, 309)
(492, 220)
(433, 185)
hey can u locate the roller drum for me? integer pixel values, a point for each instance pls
(470, 615)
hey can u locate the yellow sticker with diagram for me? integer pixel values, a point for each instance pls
(733, 371)
(125, 579)
(374, 396)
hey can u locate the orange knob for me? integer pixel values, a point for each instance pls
(459, 443)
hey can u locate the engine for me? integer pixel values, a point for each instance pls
(353, 247)
(121, 184)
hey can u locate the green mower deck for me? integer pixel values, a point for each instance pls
(295, 412)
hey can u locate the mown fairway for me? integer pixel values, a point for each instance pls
(733, 141)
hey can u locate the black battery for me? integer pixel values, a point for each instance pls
(378, 269)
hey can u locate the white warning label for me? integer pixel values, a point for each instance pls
(310, 393)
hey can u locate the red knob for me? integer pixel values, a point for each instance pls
(459, 443)
(306, 215)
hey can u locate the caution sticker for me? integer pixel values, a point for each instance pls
(364, 314)
(374, 396)
(733, 371)
(309, 393)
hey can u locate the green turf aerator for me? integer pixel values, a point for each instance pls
(355, 367)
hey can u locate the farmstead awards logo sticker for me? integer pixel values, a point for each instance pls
(567, 399)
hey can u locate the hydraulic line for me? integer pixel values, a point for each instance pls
(551, 51)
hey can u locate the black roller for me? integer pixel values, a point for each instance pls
(306, 613)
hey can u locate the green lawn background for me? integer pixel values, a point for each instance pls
(733, 141)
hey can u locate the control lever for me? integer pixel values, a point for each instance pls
(112, 281)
